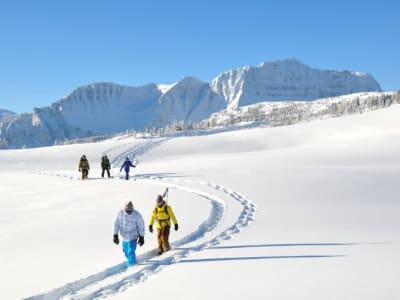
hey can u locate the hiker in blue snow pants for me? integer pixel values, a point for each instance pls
(130, 225)
(129, 248)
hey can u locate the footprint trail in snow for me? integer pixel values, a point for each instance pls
(117, 279)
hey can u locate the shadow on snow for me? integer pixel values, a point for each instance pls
(246, 258)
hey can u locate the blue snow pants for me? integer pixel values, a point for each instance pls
(129, 248)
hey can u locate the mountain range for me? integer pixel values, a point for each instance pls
(6, 115)
(107, 108)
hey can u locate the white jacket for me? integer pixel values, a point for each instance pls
(129, 226)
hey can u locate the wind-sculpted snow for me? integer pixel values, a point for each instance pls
(107, 108)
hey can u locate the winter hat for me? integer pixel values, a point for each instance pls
(129, 206)
(159, 199)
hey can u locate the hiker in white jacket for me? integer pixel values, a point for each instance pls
(130, 225)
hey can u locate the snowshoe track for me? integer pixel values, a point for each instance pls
(117, 279)
(133, 152)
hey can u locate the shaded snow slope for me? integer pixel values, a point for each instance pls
(6, 115)
(189, 100)
(109, 108)
(41, 128)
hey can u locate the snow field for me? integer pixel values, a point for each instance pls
(115, 280)
(319, 219)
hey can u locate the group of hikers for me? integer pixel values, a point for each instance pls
(130, 225)
(84, 167)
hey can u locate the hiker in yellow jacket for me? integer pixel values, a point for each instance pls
(163, 215)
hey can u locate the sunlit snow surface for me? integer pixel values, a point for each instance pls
(308, 211)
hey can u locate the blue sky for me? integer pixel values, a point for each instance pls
(48, 48)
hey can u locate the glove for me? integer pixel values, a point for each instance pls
(141, 240)
(176, 227)
(116, 239)
(151, 228)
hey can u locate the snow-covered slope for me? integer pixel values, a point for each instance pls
(309, 211)
(106, 108)
(288, 80)
(284, 113)
(189, 100)
(40, 128)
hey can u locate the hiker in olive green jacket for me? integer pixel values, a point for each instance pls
(84, 167)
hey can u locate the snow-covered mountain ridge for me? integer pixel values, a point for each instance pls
(105, 108)
(288, 80)
(6, 115)
(291, 112)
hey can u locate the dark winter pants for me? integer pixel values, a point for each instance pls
(126, 174)
(104, 170)
(85, 173)
(163, 237)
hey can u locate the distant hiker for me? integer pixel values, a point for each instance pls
(127, 166)
(105, 166)
(130, 225)
(162, 214)
(84, 167)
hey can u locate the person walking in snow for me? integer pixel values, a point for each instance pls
(105, 166)
(130, 225)
(162, 214)
(84, 167)
(127, 166)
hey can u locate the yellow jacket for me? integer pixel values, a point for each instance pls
(163, 215)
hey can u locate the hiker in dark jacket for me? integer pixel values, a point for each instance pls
(127, 166)
(84, 167)
(105, 166)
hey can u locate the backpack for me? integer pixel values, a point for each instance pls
(165, 210)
